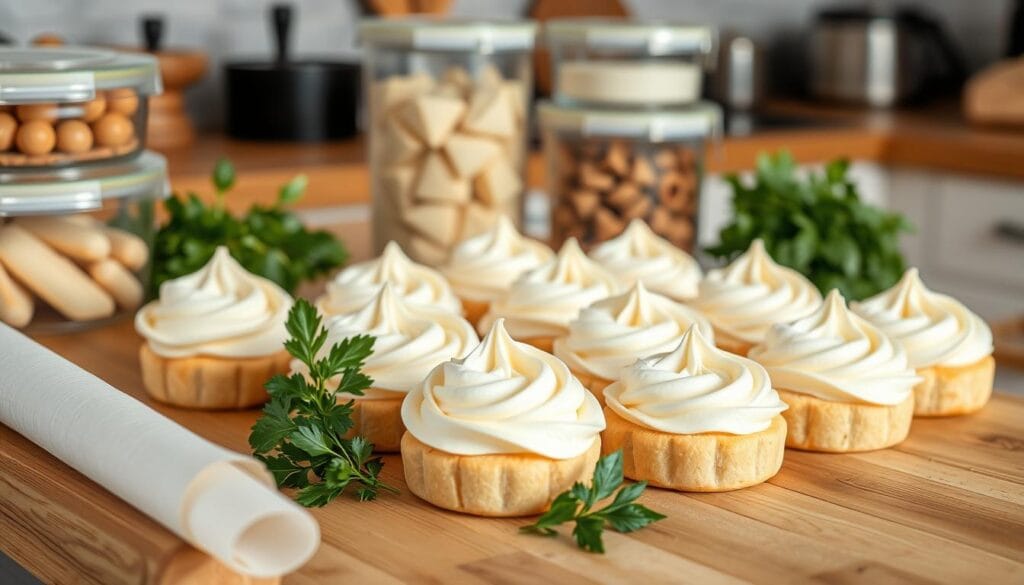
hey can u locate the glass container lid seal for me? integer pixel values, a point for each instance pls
(702, 120)
(440, 34)
(72, 74)
(654, 38)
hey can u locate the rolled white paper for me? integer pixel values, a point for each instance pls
(222, 502)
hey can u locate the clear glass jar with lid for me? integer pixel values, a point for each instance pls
(70, 106)
(75, 243)
(448, 108)
(607, 167)
(602, 62)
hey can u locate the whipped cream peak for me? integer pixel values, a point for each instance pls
(504, 397)
(357, 284)
(744, 299)
(833, 354)
(483, 267)
(410, 341)
(221, 310)
(696, 388)
(934, 329)
(638, 254)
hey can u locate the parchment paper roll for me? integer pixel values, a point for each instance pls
(222, 502)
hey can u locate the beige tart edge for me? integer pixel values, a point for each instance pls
(844, 427)
(951, 391)
(379, 421)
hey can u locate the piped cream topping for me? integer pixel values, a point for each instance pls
(934, 329)
(640, 255)
(543, 301)
(696, 388)
(613, 333)
(484, 267)
(835, 355)
(747, 297)
(356, 285)
(504, 397)
(221, 310)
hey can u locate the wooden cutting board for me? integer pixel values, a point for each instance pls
(946, 506)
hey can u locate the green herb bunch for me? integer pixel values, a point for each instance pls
(623, 514)
(818, 226)
(268, 241)
(301, 434)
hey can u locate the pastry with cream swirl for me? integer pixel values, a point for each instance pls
(949, 346)
(214, 337)
(409, 342)
(542, 302)
(500, 432)
(613, 333)
(744, 299)
(357, 284)
(483, 268)
(640, 255)
(848, 385)
(696, 418)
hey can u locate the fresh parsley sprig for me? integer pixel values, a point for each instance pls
(301, 435)
(623, 514)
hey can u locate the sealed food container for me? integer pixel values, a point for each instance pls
(70, 106)
(75, 243)
(448, 105)
(607, 167)
(629, 64)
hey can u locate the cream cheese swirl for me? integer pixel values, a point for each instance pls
(484, 267)
(543, 301)
(221, 310)
(744, 299)
(934, 329)
(613, 333)
(696, 388)
(410, 341)
(356, 285)
(504, 397)
(835, 355)
(640, 255)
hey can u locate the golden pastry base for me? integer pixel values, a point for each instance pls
(595, 384)
(728, 343)
(473, 311)
(844, 427)
(953, 391)
(379, 422)
(209, 383)
(542, 343)
(705, 462)
(492, 485)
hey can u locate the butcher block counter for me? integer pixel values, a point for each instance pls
(945, 506)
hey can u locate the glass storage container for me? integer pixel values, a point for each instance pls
(69, 106)
(75, 243)
(605, 168)
(629, 64)
(448, 108)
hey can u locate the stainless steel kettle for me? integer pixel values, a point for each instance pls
(879, 59)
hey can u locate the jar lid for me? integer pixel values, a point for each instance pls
(72, 74)
(654, 38)
(445, 34)
(698, 121)
(80, 189)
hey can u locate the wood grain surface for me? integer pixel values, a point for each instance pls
(946, 506)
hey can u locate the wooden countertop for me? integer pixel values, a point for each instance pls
(935, 138)
(946, 506)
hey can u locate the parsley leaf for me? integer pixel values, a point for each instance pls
(623, 514)
(302, 432)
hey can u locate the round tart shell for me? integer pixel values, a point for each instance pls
(209, 383)
(542, 343)
(473, 311)
(704, 462)
(953, 391)
(595, 384)
(380, 422)
(492, 485)
(844, 427)
(726, 342)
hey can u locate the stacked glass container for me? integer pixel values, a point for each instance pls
(78, 190)
(625, 132)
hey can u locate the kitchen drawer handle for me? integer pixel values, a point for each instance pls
(1010, 231)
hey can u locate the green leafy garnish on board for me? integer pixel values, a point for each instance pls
(623, 514)
(817, 225)
(268, 241)
(301, 433)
